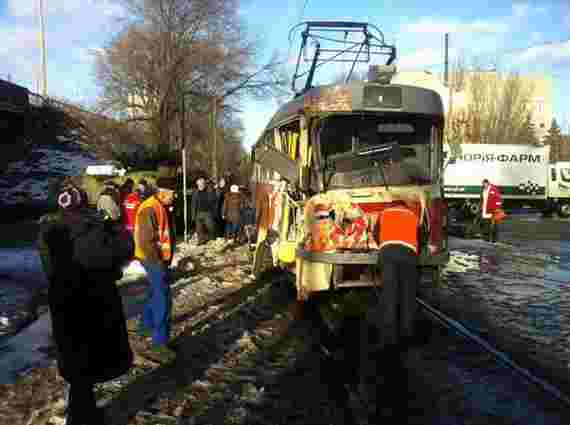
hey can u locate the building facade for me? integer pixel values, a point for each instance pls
(540, 102)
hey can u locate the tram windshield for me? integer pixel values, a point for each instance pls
(344, 138)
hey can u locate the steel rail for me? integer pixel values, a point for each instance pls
(448, 322)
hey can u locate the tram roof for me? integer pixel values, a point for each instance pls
(361, 97)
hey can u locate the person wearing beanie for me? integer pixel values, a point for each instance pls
(88, 325)
(154, 244)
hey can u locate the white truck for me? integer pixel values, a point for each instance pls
(523, 173)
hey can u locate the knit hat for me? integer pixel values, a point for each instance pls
(166, 183)
(69, 198)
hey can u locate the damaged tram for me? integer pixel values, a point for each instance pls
(320, 181)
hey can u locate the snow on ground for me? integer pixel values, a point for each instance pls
(18, 262)
(26, 180)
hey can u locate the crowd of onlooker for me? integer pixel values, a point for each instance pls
(84, 250)
(221, 210)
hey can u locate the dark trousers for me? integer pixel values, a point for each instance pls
(398, 300)
(205, 226)
(81, 406)
(489, 230)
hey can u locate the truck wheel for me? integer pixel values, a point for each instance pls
(564, 210)
(436, 276)
(475, 208)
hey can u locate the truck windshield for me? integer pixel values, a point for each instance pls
(343, 137)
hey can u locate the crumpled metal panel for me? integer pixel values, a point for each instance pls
(349, 219)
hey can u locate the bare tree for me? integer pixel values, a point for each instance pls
(193, 52)
(555, 140)
(497, 105)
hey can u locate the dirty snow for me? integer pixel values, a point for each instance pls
(26, 180)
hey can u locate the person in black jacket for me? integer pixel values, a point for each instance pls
(88, 321)
(203, 209)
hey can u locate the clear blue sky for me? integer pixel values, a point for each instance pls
(510, 33)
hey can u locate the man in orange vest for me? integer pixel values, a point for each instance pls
(399, 249)
(154, 242)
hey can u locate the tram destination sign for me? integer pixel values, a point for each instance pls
(382, 97)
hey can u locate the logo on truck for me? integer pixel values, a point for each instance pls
(490, 157)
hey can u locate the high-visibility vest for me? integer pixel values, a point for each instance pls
(399, 226)
(165, 242)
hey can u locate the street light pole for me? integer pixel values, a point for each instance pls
(43, 48)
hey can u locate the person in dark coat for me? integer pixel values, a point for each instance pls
(221, 191)
(203, 211)
(231, 209)
(88, 321)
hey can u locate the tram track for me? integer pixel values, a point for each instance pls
(501, 357)
(363, 412)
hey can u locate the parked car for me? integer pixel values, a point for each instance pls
(112, 168)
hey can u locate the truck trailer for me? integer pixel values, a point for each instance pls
(523, 173)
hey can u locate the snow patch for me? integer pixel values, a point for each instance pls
(27, 180)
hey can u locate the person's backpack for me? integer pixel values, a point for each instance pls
(100, 245)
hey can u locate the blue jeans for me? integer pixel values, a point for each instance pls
(156, 314)
(231, 228)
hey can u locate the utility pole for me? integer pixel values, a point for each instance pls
(183, 142)
(214, 140)
(448, 79)
(446, 61)
(43, 49)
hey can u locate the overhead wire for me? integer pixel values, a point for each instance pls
(510, 51)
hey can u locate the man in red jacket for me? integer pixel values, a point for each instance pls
(131, 204)
(490, 201)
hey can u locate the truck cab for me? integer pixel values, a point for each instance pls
(559, 187)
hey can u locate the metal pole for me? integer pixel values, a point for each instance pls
(214, 141)
(184, 188)
(446, 61)
(449, 78)
(43, 48)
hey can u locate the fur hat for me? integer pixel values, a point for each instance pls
(69, 198)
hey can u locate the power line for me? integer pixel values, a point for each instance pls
(509, 51)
